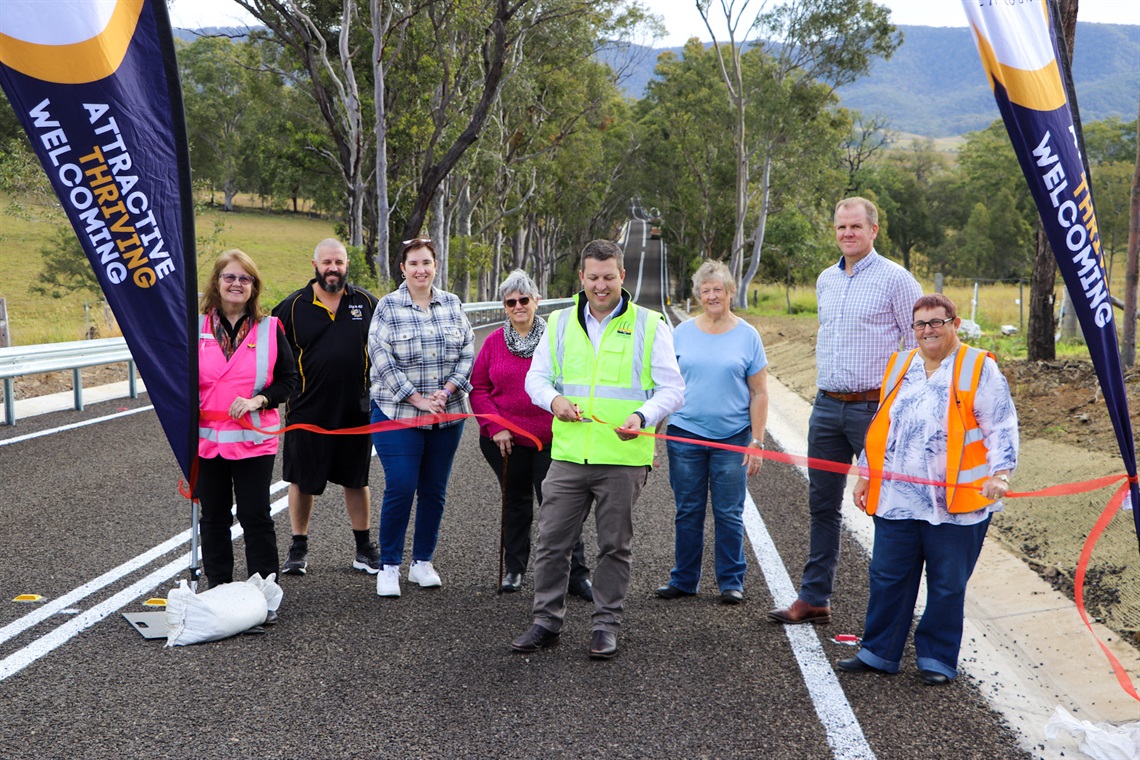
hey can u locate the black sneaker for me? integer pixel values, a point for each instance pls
(295, 563)
(368, 559)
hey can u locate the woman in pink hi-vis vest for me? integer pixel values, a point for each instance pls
(245, 369)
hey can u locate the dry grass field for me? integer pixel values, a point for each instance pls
(280, 243)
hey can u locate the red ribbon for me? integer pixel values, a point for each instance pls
(1064, 489)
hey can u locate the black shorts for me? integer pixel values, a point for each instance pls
(311, 460)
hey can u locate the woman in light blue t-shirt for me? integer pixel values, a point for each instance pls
(726, 400)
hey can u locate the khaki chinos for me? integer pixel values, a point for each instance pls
(568, 492)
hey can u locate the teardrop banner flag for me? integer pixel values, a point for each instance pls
(95, 86)
(1028, 71)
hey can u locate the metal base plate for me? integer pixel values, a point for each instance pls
(152, 625)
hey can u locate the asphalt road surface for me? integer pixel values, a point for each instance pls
(91, 519)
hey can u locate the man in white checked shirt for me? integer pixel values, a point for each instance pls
(865, 310)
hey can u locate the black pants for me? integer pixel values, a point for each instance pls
(219, 481)
(526, 468)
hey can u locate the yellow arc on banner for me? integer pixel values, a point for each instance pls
(1040, 89)
(1016, 49)
(87, 60)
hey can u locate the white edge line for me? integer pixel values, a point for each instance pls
(74, 425)
(844, 734)
(60, 635)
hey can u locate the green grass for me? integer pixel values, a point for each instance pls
(281, 244)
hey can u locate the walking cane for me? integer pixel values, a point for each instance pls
(503, 525)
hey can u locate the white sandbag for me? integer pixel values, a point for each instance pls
(268, 587)
(219, 613)
(1102, 741)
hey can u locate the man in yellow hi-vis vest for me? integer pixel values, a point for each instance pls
(606, 369)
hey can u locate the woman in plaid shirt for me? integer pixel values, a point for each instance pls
(422, 348)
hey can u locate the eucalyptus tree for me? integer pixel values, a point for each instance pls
(808, 43)
(323, 40)
(903, 186)
(225, 95)
(687, 156)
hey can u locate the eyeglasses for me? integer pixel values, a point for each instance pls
(244, 279)
(510, 302)
(935, 323)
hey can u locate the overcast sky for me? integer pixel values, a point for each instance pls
(683, 21)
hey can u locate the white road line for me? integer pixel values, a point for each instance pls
(55, 638)
(74, 425)
(844, 734)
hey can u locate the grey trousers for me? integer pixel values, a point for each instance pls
(568, 492)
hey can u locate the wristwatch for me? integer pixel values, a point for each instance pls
(757, 442)
(1004, 477)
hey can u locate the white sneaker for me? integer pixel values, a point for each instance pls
(425, 575)
(388, 581)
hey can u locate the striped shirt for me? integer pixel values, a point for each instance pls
(862, 318)
(413, 349)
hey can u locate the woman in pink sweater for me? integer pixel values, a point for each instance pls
(497, 388)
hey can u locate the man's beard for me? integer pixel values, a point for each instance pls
(329, 287)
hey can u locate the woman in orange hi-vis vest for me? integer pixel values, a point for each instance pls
(945, 416)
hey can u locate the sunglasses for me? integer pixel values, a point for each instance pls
(510, 302)
(416, 240)
(244, 279)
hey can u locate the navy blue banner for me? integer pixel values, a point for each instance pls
(95, 85)
(1019, 46)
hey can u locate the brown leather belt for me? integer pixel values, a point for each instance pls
(857, 396)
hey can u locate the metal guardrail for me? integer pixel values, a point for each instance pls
(18, 361)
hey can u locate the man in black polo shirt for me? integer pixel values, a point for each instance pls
(326, 323)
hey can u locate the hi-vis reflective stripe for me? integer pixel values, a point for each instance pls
(969, 363)
(234, 436)
(969, 476)
(560, 347)
(639, 347)
(897, 368)
(973, 435)
(606, 391)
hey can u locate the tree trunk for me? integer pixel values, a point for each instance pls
(761, 224)
(438, 227)
(381, 19)
(1039, 338)
(496, 50)
(230, 190)
(1132, 273)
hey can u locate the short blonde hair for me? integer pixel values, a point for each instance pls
(869, 208)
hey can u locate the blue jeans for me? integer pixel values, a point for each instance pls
(902, 547)
(836, 431)
(417, 461)
(694, 472)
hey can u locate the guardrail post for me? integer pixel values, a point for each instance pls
(9, 402)
(131, 380)
(77, 386)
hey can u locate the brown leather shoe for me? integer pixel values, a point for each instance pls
(801, 612)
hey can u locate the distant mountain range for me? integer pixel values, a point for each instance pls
(934, 84)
